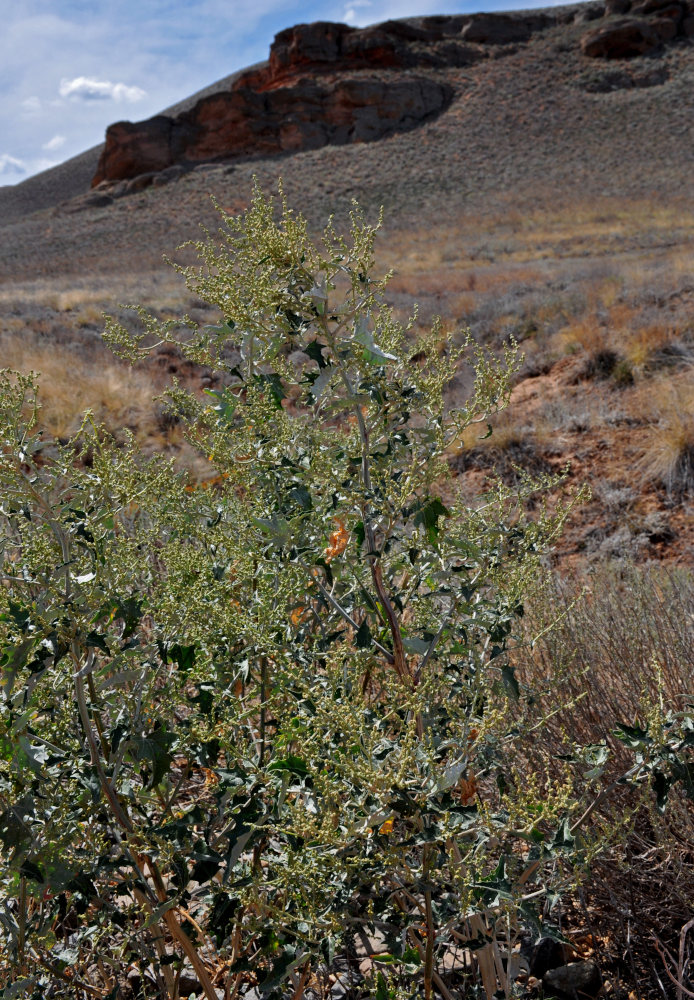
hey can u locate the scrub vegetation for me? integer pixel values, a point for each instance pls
(297, 725)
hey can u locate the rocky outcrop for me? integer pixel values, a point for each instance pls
(504, 29)
(323, 84)
(332, 84)
(650, 24)
(243, 122)
(619, 40)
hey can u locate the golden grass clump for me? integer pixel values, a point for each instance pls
(507, 433)
(585, 333)
(644, 342)
(69, 385)
(668, 457)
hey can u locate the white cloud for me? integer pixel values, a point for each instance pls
(55, 143)
(11, 165)
(31, 104)
(351, 9)
(88, 89)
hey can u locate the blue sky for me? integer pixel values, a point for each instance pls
(68, 68)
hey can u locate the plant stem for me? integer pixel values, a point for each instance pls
(180, 935)
(160, 948)
(429, 952)
(399, 661)
(348, 618)
(21, 934)
(298, 992)
(76, 983)
(263, 698)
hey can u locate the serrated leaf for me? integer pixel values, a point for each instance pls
(315, 351)
(158, 912)
(372, 353)
(301, 496)
(632, 736)
(273, 383)
(508, 675)
(97, 641)
(295, 765)
(12, 662)
(31, 871)
(18, 989)
(222, 330)
(321, 383)
(563, 838)
(363, 638)
(277, 528)
(206, 866)
(15, 832)
(36, 755)
(154, 750)
(280, 970)
(182, 656)
(130, 611)
(226, 404)
(661, 786)
(412, 644)
(221, 916)
(428, 515)
(452, 774)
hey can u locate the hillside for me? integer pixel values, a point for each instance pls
(525, 117)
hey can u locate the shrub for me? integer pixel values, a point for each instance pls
(244, 726)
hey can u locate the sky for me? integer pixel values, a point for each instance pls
(69, 68)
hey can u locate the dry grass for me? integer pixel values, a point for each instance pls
(622, 643)
(621, 651)
(668, 458)
(565, 228)
(642, 343)
(587, 333)
(612, 281)
(669, 455)
(71, 294)
(53, 327)
(71, 384)
(607, 281)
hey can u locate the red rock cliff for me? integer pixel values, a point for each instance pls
(324, 83)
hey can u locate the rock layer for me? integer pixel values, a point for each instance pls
(331, 84)
(323, 84)
(651, 24)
